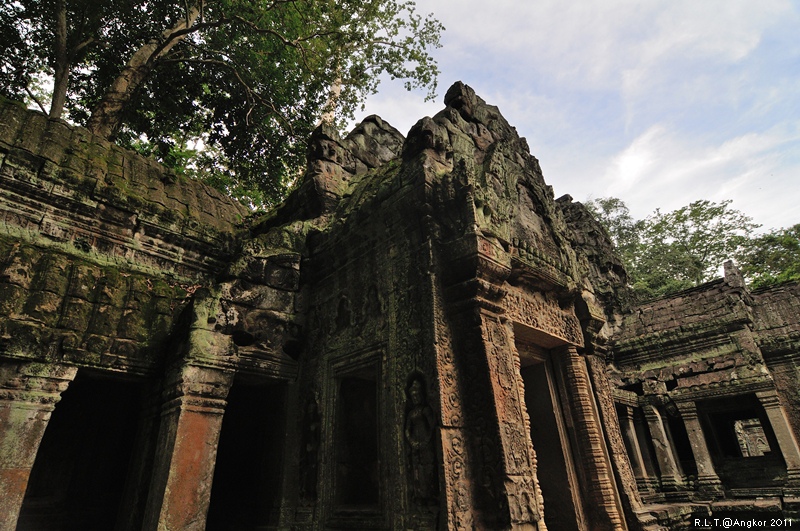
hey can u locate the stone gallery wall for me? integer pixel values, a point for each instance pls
(419, 337)
(706, 391)
(777, 332)
(101, 248)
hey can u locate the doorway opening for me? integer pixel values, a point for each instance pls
(742, 443)
(555, 472)
(245, 493)
(79, 476)
(356, 428)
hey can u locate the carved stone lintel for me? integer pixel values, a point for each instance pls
(542, 312)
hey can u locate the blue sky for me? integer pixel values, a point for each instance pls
(657, 103)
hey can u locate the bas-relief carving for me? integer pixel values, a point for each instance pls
(522, 496)
(343, 314)
(542, 312)
(309, 452)
(522, 500)
(419, 431)
(449, 395)
(456, 474)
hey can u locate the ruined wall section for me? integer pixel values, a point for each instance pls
(777, 322)
(363, 328)
(692, 339)
(777, 331)
(603, 298)
(602, 270)
(335, 165)
(687, 366)
(101, 248)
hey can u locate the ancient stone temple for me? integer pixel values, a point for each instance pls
(419, 338)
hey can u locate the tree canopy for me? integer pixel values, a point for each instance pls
(670, 251)
(771, 258)
(247, 79)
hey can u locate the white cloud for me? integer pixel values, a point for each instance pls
(638, 161)
(663, 168)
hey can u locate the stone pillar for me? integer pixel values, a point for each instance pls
(642, 433)
(707, 480)
(183, 471)
(522, 492)
(603, 499)
(670, 478)
(643, 480)
(28, 395)
(783, 433)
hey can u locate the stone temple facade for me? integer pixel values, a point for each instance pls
(420, 338)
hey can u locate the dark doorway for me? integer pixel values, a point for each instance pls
(676, 431)
(246, 491)
(357, 465)
(741, 442)
(78, 479)
(555, 471)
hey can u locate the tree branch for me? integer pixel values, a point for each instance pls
(35, 99)
(80, 46)
(251, 94)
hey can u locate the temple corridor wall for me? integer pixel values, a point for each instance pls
(420, 337)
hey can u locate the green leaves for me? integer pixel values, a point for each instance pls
(697, 238)
(772, 258)
(672, 251)
(248, 79)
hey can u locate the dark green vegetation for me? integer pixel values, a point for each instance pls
(670, 251)
(248, 79)
(772, 257)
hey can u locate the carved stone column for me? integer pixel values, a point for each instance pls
(784, 435)
(601, 488)
(670, 477)
(523, 496)
(643, 480)
(191, 419)
(708, 481)
(28, 395)
(642, 433)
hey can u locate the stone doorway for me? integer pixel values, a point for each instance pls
(733, 424)
(551, 442)
(245, 494)
(78, 480)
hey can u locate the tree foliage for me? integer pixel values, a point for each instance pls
(670, 251)
(771, 258)
(248, 79)
(697, 238)
(614, 215)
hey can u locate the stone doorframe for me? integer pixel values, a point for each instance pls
(29, 392)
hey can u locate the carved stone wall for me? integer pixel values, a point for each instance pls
(118, 270)
(696, 367)
(414, 317)
(776, 329)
